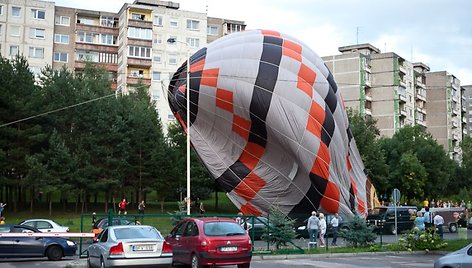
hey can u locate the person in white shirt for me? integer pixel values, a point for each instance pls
(335, 225)
(438, 221)
(322, 229)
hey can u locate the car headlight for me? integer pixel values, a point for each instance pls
(70, 243)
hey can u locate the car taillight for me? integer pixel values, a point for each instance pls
(117, 250)
(166, 247)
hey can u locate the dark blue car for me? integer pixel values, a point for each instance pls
(54, 248)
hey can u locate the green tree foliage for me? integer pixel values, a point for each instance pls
(429, 158)
(358, 233)
(366, 135)
(281, 230)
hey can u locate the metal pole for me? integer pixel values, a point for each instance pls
(396, 227)
(188, 132)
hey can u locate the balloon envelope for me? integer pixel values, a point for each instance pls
(268, 122)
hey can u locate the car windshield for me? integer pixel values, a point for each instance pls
(220, 228)
(378, 211)
(137, 233)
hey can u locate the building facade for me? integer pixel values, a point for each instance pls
(467, 104)
(132, 44)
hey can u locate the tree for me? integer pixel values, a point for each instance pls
(281, 230)
(358, 233)
(366, 135)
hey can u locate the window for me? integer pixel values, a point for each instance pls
(36, 52)
(156, 95)
(170, 117)
(141, 33)
(38, 14)
(172, 59)
(157, 58)
(16, 11)
(193, 42)
(234, 27)
(83, 55)
(158, 40)
(141, 52)
(61, 38)
(14, 50)
(15, 30)
(212, 30)
(107, 22)
(174, 23)
(1, 9)
(61, 57)
(86, 21)
(137, 16)
(193, 25)
(62, 20)
(37, 33)
(158, 20)
(86, 37)
(107, 39)
(156, 76)
(1, 26)
(137, 73)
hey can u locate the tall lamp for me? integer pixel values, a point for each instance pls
(172, 41)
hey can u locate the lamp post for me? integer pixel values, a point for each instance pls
(188, 201)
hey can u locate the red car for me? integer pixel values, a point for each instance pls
(201, 242)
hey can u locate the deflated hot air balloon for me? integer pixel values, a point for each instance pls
(268, 122)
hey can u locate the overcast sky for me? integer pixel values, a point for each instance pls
(435, 32)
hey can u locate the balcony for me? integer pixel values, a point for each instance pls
(140, 23)
(455, 111)
(420, 96)
(455, 137)
(368, 111)
(421, 110)
(420, 85)
(368, 83)
(139, 62)
(454, 124)
(421, 122)
(96, 29)
(464, 120)
(402, 83)
(132, 80)
(402, 69)
(368, 97)
(464, 131)
(80, 65)
(402, 97)
(98, 47)
(403, 112)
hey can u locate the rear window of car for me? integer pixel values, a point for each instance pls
(137, 233)
(222, 229)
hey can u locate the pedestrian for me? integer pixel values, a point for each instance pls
(202, 208)
(2, 208)
(2, 220)
(243, 222)
(322, 230)
(141, 207)
(419, 221)
(438, 224)
(428, 220)
(313, 226)
(122, 206)
(334, 226)
(94, 218)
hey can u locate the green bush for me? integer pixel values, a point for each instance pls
(282, 231)
(358, 233)
(420, 240)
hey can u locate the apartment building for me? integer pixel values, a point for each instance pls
(467, 105)
(381, 85)
(27, 28)
(445, 111)
(132, 44)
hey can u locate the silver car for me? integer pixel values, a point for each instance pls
(130, 245)
(460, 259)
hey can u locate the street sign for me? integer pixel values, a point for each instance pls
(396, 195)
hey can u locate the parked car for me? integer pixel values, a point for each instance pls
(258, 227)
(54, 248)
(45, 225)
(454, 217)
(210, 241)
(460, 258)
(102, 223)
(302, 231)
(129, 245)
(383, 218)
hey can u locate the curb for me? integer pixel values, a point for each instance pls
(83, 262)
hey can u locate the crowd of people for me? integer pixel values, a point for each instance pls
(317, 227)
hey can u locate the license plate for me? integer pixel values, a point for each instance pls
(143, 248)
(228, 249)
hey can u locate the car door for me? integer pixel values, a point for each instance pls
(175, 239)
(189, 241)
(467, 260)
(26, 246)
(94, 250)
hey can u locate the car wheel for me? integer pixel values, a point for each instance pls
(194, 263)
(54, 253)
(453, 228)
(244, 265)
